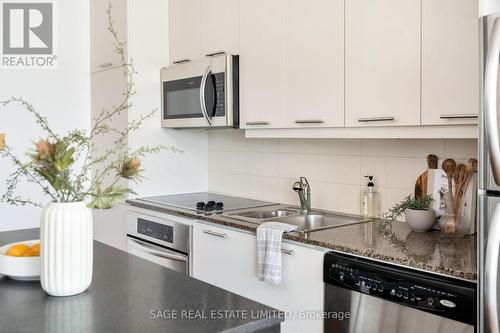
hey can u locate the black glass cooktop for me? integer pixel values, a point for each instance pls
(211, 201)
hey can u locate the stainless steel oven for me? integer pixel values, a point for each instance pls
(163, 240)
(201, 93)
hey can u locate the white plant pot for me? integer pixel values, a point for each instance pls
(66, 248)
(420, 220)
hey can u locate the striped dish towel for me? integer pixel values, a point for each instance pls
(269, 236)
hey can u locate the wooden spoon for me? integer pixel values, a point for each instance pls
(459, 175)
(449, 166)
(464, 183)
(469, 170)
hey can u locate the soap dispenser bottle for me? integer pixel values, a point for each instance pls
(370, 200)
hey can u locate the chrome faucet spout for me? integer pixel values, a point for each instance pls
(303, 189)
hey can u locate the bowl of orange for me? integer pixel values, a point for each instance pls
(21, 260)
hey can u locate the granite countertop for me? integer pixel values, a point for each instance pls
(128, 294)
(392, 243)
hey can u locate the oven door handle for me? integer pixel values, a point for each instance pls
(150, 249)
(491, 271)
(202, 95)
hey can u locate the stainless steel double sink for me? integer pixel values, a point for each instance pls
(307, 222)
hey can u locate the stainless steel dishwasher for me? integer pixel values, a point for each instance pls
(366, 296)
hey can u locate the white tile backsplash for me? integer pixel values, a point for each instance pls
(266, 168)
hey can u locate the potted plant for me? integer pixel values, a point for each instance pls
(419, 216)
(62, 166)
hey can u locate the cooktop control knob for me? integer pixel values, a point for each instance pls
(200, 205)
(219, 205)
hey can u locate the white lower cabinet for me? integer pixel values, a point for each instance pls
(300, 292)
(223, 258)
(228, 259)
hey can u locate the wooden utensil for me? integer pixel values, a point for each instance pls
(459, 175)
(432, 161)
(421, 183)
(449, 166)
(469, 170)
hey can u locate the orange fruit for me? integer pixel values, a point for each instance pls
(35, 249)
(18, 250)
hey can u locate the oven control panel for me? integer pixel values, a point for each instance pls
(446, 297)
(155, 230)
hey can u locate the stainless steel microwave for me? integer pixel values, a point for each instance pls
(201, 94)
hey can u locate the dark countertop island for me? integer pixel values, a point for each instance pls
(128, 294)
(392, 243)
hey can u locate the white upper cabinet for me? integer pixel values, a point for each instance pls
(102, 54)
(314, 63)
(201, 27)
(219, 26)
(382, 62)
(185, 29)
(262, 47)
(450, 62)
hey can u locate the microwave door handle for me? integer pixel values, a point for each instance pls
(491, 271)
(151, 250)
(490, 100)
(202, 95)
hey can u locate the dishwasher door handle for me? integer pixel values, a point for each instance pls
(155, 251)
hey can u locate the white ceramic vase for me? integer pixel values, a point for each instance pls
(66, 248)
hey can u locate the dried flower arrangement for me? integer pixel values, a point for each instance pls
(61, 164)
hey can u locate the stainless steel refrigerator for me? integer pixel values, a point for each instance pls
(489, 171)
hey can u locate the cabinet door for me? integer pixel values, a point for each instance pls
(185, 29)
(301, 288)
(450, 62)
(262, 45)
(102, 54)
(223, 258)
(314, 63)
(382, 59)
(219, 26)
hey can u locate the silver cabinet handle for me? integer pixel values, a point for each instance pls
(213, 233)
(257, 123)
(491, 271)
(366, 120)
(459, 116)
(490, 100)
(106, 65)
(215, 54)
(152, 250)
(202, 95)
(286, 251)
(310, 121)
(181, 61)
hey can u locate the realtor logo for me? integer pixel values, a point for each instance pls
(27, 34)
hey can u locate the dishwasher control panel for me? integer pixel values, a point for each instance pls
(447, 297)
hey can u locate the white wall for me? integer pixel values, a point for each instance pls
(267, 168)
(148, 46)
(61, 94)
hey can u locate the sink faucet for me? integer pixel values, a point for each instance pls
(303, 189)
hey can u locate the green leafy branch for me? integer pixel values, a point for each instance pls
(62, 165)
